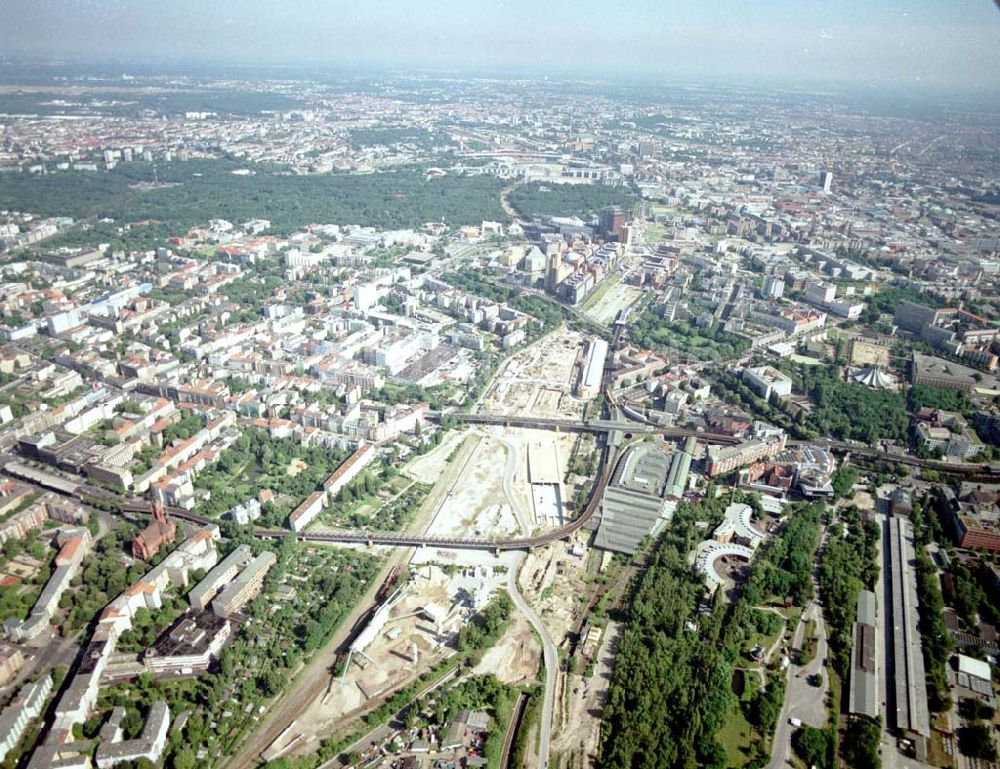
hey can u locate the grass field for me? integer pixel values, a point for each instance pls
(736, 737)
(809, 642)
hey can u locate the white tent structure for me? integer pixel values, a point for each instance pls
(874, 377)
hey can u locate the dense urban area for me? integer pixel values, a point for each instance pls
(426, 423)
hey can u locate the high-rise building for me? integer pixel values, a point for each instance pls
(826, 180)
(914, 317)
(611, 223)
(552, 272)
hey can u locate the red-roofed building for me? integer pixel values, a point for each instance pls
(160, 531)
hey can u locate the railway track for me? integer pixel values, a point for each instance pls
(134, 506)
(517, 715)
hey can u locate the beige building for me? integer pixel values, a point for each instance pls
(245, 587)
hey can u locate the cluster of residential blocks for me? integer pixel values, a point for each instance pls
(226, 588)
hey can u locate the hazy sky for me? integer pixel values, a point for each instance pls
(920, 42)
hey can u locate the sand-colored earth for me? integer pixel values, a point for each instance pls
(540, 379)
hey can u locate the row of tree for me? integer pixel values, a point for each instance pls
(850, 564)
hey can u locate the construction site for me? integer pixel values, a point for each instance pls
(497, 481)
(540, 380)
(570, 586)
(488, 482)
(412, 629)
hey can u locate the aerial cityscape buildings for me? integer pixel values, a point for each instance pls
(423, 420)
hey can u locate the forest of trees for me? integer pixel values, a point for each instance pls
(256, 461)
(487, 625)
(785, 566)
(969, 596)
(850, 564)
(847, 410)
(938, 398)
(935, 642)
(814, 746)
(580, 200)
(207, 189)
(886, 300)
(862, 743)
(673, 718)
(670, 690)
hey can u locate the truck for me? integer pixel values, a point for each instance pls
(796, 722)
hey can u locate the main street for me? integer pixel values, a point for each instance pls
(803, 700)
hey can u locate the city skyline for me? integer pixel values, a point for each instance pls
(918, 46)
(559, 386)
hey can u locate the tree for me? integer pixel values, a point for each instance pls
(976, 740)
(58, 676)
(185, 759)
(861, 744)
(814, 746)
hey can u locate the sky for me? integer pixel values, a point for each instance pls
(864, 43)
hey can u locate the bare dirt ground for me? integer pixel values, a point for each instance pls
(517, 440)
(428, 467)
(406, 643)
(863, 500)
(517, 657)
(553, 580)
(410, 642)
(557, 585)
(475, 504)
(539, 380)
(868, 354)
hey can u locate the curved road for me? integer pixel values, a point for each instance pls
(549, 655)
(508, 486)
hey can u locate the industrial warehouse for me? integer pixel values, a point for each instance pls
(905, 661)
(642, 495)
(592, 370)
